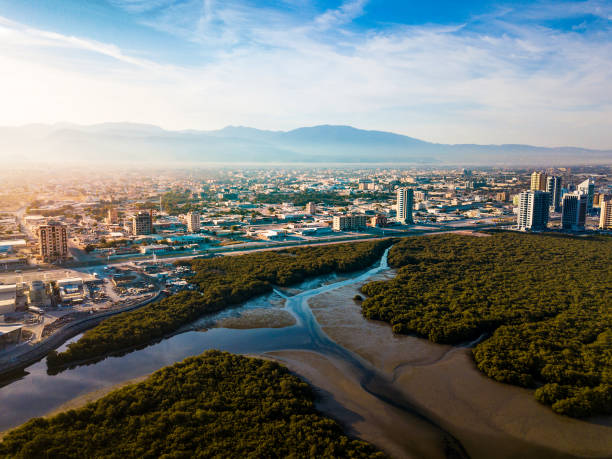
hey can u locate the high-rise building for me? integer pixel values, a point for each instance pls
(349, 222)
(597, 200)
(538, 181)
(193, 222)
(53, 241)
(142, 224)
(405, 203)
(533, 210)
(553, 187)
(574, 212)
(605, 219)
(311, 208)
(588, 188)
(112, 218)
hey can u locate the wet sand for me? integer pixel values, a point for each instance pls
(258, 318)
(341, 397)
(489, 418)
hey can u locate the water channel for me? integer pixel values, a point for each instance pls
(36, 393)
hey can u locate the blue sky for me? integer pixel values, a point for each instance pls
(444, 71)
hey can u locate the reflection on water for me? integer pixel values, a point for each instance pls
(38, 393)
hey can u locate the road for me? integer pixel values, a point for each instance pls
(89, 269)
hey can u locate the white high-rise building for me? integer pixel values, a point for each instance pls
(193, 222)
(533, 210)
(588, 188)
(405, 203)
(574, 212)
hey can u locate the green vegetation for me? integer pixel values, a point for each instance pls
(303, 198)
(177, 202)
(543, 302)
(214, 405)
(222, 282)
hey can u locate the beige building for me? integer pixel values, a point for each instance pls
(142, 224)
(112, 218)
(538, 181)
(349, 222)
(311, 208)
(193, 222)
(502, 196)
(53, 241)
(605, 219)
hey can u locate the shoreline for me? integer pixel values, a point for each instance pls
(444, 381)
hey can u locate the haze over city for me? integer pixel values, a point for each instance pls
(306, 229)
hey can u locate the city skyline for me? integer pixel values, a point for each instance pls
(483, 72)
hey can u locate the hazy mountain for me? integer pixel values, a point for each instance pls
(321, 144)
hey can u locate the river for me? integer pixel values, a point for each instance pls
(354, 390)
(36, 393)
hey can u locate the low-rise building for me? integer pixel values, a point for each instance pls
(378, 221)
(8, 298)
(71, 290)
(349, 222)
(10, 334)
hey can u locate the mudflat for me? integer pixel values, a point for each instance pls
(258, 318)
(490, 419)
(341, 396)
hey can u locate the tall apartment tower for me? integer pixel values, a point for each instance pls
(538, 181)
(53, 241)
(605, 219)
(553, 187)
(574, 212)
(193, 222)
(142, 224)
(405, 202)
(533, 210)
(588, 188)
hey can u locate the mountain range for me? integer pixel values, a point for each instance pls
(129, 142)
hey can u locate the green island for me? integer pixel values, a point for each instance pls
(214, 405)
(543, 303)
(222, 282)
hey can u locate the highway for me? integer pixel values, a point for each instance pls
(86, 270)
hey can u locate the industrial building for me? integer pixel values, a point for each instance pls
(71, 290)
(10, 334)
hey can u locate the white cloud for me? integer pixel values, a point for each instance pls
(346, 13)
(446, 84)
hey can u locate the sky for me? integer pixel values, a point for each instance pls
(445, 71)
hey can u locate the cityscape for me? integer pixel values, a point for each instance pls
(346, 228)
